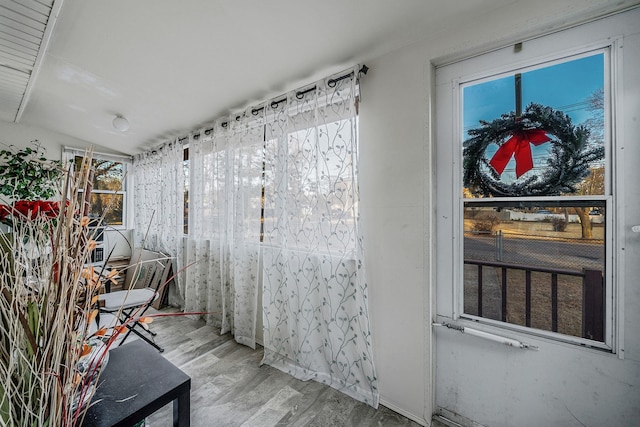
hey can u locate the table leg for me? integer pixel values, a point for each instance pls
(182, 410)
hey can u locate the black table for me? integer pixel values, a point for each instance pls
(136, 382)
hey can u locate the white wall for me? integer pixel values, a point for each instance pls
(21, 136)
(395, 182)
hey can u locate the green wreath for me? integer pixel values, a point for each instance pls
(567, 165)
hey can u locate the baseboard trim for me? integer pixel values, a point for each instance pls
(454, 420)
(447, 422)
(404, 413)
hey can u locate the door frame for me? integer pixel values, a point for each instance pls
(477, 380)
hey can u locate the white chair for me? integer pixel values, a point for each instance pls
(147, 274)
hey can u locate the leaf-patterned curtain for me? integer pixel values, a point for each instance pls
(158, 194)
(158, 187)
(225, 203)
(315, 306)
(278, 185)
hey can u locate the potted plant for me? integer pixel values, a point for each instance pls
(26, 174)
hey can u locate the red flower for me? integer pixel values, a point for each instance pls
(30, 209)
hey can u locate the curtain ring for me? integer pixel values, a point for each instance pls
(299, 95)
(254, 111)
(274, 104)
(332, 82)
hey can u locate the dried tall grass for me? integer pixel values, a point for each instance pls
(46, 304)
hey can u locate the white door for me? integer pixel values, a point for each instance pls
(537, 191)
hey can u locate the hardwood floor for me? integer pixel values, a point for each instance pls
(229, 388)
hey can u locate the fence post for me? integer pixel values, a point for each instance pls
(480, 290)
(593, 305)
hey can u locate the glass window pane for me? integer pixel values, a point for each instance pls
(249, 164)
(109, 175)
(536, 133)
(318, 200)
(111, 205)
(537, 265)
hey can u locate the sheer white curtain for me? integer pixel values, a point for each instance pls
(158, 179)
(225, 201)
(284, 174)
(315, 305)
(158, 202)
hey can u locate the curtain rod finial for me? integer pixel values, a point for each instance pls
(363, 69)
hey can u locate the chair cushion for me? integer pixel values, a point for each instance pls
(114, 301)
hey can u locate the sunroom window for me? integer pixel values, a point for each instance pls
(109, 186)
(536, 197)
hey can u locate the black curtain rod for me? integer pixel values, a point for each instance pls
(274, 104)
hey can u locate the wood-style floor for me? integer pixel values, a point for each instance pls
(229, 388)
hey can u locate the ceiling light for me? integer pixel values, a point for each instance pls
(121, 123)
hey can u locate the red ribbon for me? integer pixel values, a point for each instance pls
(518, 147)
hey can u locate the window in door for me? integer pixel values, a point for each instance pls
(536, 197)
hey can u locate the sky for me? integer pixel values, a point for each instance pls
(565, 87)
(556, 86)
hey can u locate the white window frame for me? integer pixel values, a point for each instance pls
(613, 257)
(70, 153)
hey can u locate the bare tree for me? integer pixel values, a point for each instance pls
(594, 183)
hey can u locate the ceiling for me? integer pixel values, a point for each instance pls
(23, 35)
(172, 66)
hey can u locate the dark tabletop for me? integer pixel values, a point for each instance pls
(136, 382)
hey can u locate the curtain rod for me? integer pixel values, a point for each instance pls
(274, 104)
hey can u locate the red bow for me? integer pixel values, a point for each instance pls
(518, 147)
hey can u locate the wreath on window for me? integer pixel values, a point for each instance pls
(568, 163)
